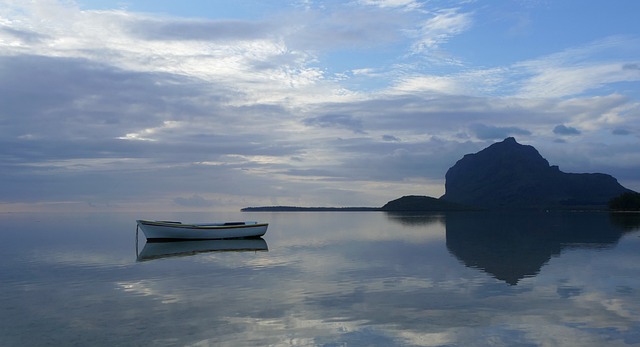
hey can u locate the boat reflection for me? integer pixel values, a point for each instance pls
(157, 250)
(511, 246)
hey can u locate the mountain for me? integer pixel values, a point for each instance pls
(510, 175)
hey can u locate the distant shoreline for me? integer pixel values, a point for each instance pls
(382, 209)
(310, 209)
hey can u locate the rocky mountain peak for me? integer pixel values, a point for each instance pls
(511, 175)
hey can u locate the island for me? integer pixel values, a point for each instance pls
(307, 209)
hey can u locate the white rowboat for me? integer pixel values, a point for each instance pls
(167, 230)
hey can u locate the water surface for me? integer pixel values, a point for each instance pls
(324, 279)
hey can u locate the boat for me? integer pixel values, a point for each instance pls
(169, 230)
(158, 250)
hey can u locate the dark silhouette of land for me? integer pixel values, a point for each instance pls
(308, 209)
(629, 201)
(508, 175)
(423, 203)
(505, 175)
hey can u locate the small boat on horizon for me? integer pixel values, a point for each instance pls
(169, 230)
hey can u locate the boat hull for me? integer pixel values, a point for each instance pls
(159, 231)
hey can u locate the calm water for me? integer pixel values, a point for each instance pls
(324, 279)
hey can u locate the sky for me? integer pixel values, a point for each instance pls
(218, 105)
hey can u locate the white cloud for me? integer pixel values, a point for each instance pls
(435, 84)
(559, 81)
(440, 28)
(405, 4)
(580, 69)
(247, 57)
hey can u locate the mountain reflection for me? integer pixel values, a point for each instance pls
(157, 250)
(512, 246)
(515, 245)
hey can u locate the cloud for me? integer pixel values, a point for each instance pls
(336, 121)
(206, 50)
(574, 71)
(22, 36)
(404, 4)
(438, 29)
(341, 28)
(193, 201)
(488, 132)
(565, 130)
(620, 131)
(199, 30)
(631, 66)
(435, 84)
(390, 138)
